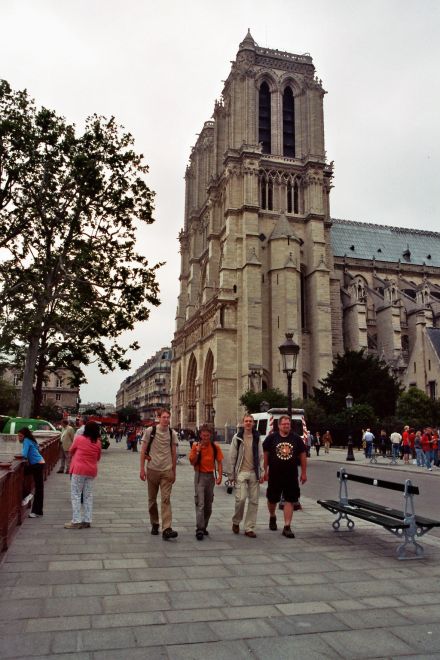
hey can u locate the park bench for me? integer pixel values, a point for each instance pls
(405, 524)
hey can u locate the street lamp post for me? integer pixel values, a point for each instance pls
(349, 405)
(289, 353)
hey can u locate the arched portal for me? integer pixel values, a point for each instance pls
(207, 387)
(191, 389)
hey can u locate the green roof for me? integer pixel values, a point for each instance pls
(364, 240)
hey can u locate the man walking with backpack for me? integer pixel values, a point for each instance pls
(206, 457)
(246, 457)
(159, 448)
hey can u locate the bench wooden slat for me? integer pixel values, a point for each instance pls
(369, 516)
(380, 483)
(421, 520)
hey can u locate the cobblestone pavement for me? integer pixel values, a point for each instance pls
(115, 592)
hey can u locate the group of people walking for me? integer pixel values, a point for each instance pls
(252, 462)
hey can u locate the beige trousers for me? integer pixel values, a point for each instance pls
(164, 481)
(247, 487)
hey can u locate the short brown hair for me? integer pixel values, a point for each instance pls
(284, 417)
(248, 415)
(206, 427)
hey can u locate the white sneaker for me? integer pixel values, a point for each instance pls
(34, 515)
(27, 499)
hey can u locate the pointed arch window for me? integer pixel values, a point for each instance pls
(266, 193)
(264, 117)
(293, 197)
(288, 123)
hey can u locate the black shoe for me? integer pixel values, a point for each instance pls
(199, 535)
(287, 532)
(273, 523)
(60, 471)
(168, 534)
(205, 532)
(155, 529)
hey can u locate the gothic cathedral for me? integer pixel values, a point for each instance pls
(261, 255)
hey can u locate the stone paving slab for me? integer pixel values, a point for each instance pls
(115, 592)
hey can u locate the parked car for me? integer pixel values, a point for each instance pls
(12, 425)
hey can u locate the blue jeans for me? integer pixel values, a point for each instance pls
(420, 457)
(396, 449)
(429, 457)
(368, 449)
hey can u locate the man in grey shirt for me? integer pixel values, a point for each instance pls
(159, 448)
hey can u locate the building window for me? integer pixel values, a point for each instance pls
(304, 320)
(432, 389)
(58, 397)
(266, 193)
(17, 380)
(293, 197)
(415, 367)
(288, 123)
(264, 121)
(59, 382)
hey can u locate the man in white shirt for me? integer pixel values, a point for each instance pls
(396, 439)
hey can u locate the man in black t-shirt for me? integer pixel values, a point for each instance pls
(281, 453)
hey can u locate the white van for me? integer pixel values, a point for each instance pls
(267, 422)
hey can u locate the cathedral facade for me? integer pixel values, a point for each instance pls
(261, 255)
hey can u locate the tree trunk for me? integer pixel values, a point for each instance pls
(38, 394)
(26, 396)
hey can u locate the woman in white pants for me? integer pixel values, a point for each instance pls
(85, 452)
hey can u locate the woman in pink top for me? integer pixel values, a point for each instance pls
(85, 452)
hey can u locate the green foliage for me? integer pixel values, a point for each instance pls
(51, 411)
(8, 399)
(71, 280)
(416, 409)
(316, 417)
(365, 377)
(252, 400)
(128, 415)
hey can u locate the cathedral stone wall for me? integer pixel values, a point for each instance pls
(261, 256)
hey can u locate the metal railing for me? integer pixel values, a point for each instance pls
(15, 484)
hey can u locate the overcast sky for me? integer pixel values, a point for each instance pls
(158, 68)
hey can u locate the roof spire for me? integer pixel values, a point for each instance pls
(248, 42)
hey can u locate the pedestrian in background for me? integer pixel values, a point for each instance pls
(420, 456)
(30, 451)
(317, 442)
(66, 440)
(327, 440)
(396, 439)
(85, 452)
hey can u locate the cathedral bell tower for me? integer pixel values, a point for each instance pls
(256, 261)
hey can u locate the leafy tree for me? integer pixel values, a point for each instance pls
(416, 409)
(51, 411)
(252, 400)
(128, 415)
(8, 398)
(71, 281)
(365, 377)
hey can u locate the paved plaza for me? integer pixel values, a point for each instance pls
(116, 592)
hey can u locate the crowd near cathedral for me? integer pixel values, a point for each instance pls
(261, 255)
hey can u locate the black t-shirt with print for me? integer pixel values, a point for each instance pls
(284, 453)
